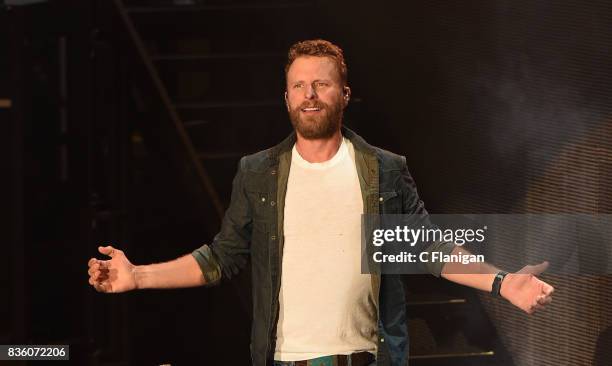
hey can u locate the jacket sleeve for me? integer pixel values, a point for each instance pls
(229, 251)
(413, 205)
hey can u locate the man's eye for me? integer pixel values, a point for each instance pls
(297, 86)
(321, 85)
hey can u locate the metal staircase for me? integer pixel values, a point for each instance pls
(447, 326)
(221, 86)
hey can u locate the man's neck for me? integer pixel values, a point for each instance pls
(319, 150)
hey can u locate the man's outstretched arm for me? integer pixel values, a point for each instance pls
(522, 288)
(118, 274)
(204, 266)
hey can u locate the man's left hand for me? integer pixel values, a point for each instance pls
(525, 290)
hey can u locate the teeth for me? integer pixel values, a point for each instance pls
(311, 109)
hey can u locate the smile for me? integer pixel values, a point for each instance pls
(311, 109)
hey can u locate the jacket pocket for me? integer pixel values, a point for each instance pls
(262, 205)
(389, 203)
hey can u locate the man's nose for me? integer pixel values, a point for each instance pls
(310, 92)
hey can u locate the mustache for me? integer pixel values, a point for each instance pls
(315, 104)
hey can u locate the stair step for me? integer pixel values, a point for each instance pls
(216, 82)
(253, 27)
(231, 104)
(249, 69)
(434, 344)
(430, 306)
(454, 354)
(160, 9)
(136, 3)
(221, 155)
(433, 299)
(217, 57)
(210, 121)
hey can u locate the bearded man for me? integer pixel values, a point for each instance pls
(295, 212)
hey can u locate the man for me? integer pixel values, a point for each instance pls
(296, 212)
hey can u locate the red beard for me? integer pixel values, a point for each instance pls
(324, 124)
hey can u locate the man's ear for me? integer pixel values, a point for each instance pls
(346, 93)
(287, 102)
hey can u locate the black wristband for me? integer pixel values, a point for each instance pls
(497, 282)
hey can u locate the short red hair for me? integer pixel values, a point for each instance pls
(318, 48)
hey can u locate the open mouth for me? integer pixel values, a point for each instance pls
(310, 109)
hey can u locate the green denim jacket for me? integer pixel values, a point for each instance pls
(253, 229)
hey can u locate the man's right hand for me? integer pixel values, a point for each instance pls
(114, 275)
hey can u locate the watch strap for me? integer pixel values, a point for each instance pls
(497, 282)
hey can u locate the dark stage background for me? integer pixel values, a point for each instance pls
(122, 122)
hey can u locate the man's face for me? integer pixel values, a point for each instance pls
(315, 98)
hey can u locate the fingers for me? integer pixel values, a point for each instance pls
(529, 293)
(539, 268)
(99, 274)
(98, 266)
(534, 308)
(543, 300)
(103, 287)
(93, 268)
(530, 309)
(540, 302)
(535, 269)
(100, 282)
(99, 270)
(548, 289)
(108, 250)
(546, 297)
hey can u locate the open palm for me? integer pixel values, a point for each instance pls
(525, 290)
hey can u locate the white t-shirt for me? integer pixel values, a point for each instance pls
(326, 304)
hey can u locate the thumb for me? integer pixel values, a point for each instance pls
(108, 250)
(548, 289)
(535, 269)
